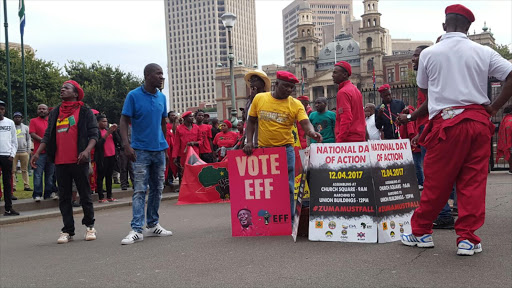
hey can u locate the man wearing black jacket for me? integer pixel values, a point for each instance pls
(71, 134)
(386, 118)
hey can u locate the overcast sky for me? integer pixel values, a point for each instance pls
(131, 34)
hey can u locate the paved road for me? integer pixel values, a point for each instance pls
(203, 254)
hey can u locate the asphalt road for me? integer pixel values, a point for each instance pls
(202, 253)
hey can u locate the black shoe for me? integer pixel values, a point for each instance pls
(75, 204)
(11, 213)
(14, 197)
(28, 189)
(445, 223)
(124, 188)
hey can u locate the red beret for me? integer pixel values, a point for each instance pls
(94, 111)
(383, 88)
(287, 76)
(77, 86)
(303, 97)
(186, 114)
(228, 124)
(461, 10)
(345, 66)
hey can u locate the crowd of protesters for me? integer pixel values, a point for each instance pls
(76, 145)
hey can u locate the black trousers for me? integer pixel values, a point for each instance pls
(66, 173)
(6, 166)
(126, 169)
(105, 171)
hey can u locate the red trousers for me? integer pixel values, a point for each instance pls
(457, 154)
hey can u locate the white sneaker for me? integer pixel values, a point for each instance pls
(54, 196)
(466, 248)
(64, 238)
(37, 199)
(90, 234)
(132, 237)
(157, 231)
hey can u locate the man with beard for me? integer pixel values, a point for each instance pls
(71, 134)
(386, 119)
(37, 127)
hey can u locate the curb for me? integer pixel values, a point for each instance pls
(76, 211)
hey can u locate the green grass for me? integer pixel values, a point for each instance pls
(21, 194)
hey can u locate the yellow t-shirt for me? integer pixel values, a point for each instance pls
(276, 118)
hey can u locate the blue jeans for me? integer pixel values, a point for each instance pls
(43, 165)
(418, 163)
(290, 157)
(446, 213)
(148, 170)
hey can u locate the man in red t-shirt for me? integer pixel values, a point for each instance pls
(171, 170)
(205, 149)
(37, 127)
(71, 134)
(105, 157)
(187, 134)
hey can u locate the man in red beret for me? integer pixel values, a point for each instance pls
(71, 134)
(276, 112)
(389, 110)
(187, 134)
(453, 75)
(350, 120)
(205, 149)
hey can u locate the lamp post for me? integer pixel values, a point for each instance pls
(229, 19)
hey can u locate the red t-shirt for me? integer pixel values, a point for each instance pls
(170, 139)
(38, 125)
(183, 136)
(67, 139)
(109, 149)
(227, 140)
(206, 134)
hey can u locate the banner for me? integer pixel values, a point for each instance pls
(396, 187)
(299, 160)
(260, 204)
(203, 182)
(301, 192)
(342, 200)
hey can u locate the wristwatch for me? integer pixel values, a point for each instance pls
(409, 117)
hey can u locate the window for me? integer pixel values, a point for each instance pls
(391, 75)
(403, 73)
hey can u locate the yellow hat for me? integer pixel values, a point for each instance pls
(260, 74)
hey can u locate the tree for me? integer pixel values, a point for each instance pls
(44, 79)
(503, 50)
(105, 87)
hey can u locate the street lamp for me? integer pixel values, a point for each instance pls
(229, 19)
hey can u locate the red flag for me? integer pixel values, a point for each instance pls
(203, 182)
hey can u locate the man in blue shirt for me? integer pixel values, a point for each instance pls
(145, 108)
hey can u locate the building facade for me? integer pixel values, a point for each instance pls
(197, 43)
(324, 12)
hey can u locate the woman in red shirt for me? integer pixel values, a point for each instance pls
(225, 138)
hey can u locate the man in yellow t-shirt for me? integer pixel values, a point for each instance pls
(275, 113)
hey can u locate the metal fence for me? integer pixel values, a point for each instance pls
(409, 95)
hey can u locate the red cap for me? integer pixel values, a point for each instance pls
(186, 114)
(287, 76)
(345, 66)
(461, 10)
(303, 97)
(77, 86)
(228, 124)
(383, 88)
(94, 111)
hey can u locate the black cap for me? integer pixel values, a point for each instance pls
(2, 103)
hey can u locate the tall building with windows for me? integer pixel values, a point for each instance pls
(197, 43)
(324, 13)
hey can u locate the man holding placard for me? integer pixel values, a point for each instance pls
(275, 112)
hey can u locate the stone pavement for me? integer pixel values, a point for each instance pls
(202, 253)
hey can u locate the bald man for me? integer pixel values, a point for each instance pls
(37, 127)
